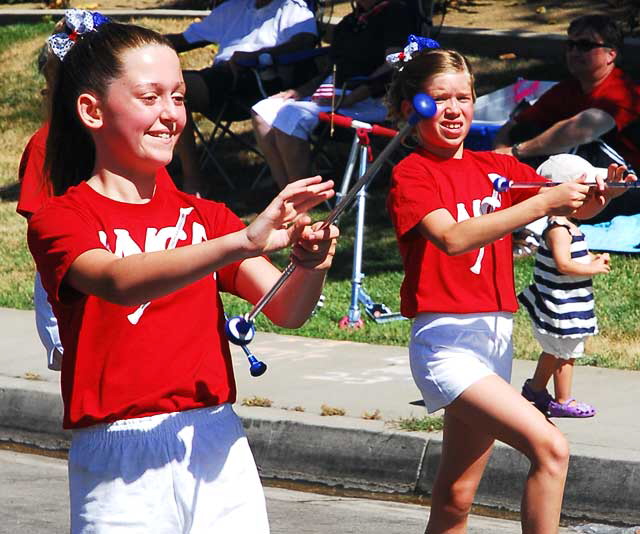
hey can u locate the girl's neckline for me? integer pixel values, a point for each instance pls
(435, 157)
(152, 202)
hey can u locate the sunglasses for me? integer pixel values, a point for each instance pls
(584, 45)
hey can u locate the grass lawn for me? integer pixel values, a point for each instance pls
(617, 294)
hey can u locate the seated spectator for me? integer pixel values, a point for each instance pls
(244, 30)
(360, 44)
(595, 112)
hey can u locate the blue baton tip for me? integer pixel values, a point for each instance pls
(424, 106)
(257, 367)
(501, 184)
(239, 331)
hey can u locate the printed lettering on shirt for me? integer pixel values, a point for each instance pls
(478, 207)
(125, 245)
(156, 239)
(102, 236)
(198, 234)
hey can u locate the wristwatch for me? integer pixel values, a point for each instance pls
(515, 150)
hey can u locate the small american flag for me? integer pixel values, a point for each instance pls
(323, 92)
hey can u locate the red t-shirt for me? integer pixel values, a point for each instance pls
(474, 282)
(176, 356)
(618, 95)
(35, 189)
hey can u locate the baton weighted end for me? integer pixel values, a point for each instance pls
(257, 367)
(501, 184)
(424, 106)
(239, 331)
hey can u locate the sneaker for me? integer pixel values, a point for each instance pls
(540, 399)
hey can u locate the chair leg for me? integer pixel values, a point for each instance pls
(221, 130)
(208, 155)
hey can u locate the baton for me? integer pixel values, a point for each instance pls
(502, 184)
(240, 330)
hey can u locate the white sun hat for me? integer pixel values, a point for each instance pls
(566, 167)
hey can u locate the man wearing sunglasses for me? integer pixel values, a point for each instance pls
(595, 112)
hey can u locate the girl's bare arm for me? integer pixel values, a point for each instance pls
(559, 241)
(142, 277)
(454, 237)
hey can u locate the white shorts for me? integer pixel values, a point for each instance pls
(563, 348)
(166, 474)
(47, 326)
(300, 117)
(449, 353)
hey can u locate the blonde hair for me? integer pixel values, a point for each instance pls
(424, 65)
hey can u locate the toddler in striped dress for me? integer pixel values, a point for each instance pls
(560, 303)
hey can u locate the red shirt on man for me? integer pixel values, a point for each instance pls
(618, 95)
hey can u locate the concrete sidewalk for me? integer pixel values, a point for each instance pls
(350, 451)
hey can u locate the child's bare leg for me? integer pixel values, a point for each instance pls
(465, 452)
(562, 380)
(295, 154)
(496, 408)
(547, 364)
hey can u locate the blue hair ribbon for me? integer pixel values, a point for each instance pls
(415, 43)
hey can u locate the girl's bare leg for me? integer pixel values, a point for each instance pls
(562, 380)
(266, 138)
(547, 364)
(465, 452)
(491, 408)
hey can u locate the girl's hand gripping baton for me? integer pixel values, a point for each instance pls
(240, 329)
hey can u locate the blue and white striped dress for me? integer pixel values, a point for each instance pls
(558, 304)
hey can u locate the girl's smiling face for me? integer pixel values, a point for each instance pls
(444, 133)
(142, 111)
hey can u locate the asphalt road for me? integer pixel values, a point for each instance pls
(33, 499)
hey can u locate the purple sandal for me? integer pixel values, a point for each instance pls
(566, 409)
(540, 399)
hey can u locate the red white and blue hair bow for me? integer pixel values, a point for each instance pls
(415, 43)
(77, 23)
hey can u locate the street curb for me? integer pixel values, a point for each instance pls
(349, 458)
(355, 454)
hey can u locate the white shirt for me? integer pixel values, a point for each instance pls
(238, 25)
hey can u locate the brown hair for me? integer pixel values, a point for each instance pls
(91, 64)
(421, 67)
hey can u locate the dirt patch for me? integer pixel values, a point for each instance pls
(546, 16)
